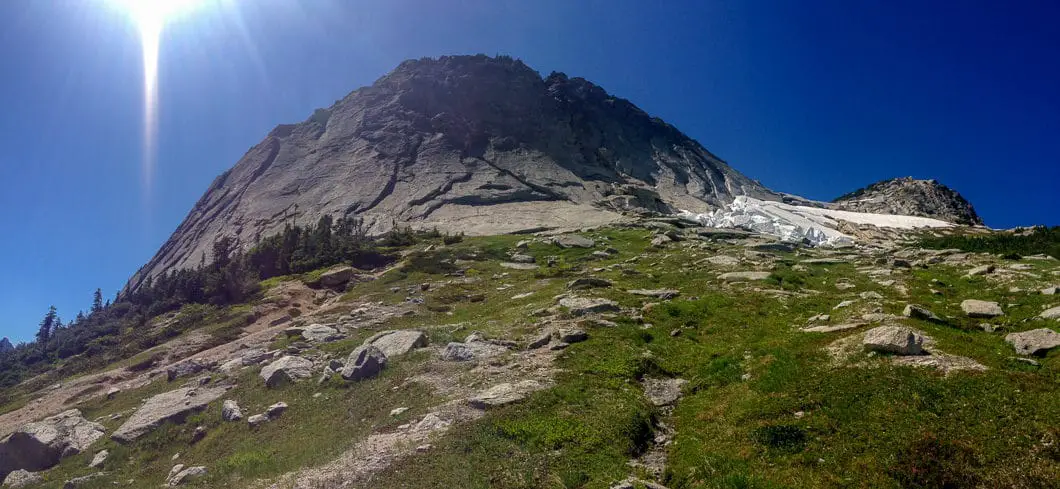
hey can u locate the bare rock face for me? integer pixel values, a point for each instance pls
(38, 446)
(909, 197)
(438, 141)
(5, 345)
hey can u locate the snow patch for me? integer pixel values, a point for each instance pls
(795, 223)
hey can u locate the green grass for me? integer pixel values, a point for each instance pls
(765, 407)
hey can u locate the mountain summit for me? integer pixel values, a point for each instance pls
(911, 197)
(474, 144)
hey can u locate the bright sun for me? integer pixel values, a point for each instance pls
(150, 16)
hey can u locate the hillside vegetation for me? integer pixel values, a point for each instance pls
(688, 378)
(1039, 240)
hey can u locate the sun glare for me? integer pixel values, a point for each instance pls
(150, 16)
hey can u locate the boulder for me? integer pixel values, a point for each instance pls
(1034, 342)
(230, 411)
(981, 309)
(257, 420)
(521, 258)
(286, 369)
(364, 362)
(580, 306)
(660, 240)
(504, 394)
(982, 270)
(1051, 291)
(661, 294)
(276, 410)
(40, 445)
(540, 340)
(587, 283)
(573, 241)
(518, 266)
(663, 392)
(1053, 313)
(400, 342)
(920, 312)
(570, 335)
(336, 277)
(457, 352)
(179, 475)
(744, 276)
(185, 369)
(174, 406)
(253, 356)
(320, 333)
(82, 481)
(99, 459)
(22, 478)
(894, 339)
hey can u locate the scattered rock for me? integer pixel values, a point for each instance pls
(198, 434)
(540, 340)
(81, 481)
(400, 342)
(366, 361)
(1034, 342)
(254, 356)
(230, 411)
(99, 459)
(894, 339)
(1051, 291)
(920, 312)
(587, 283)
(398, 411)
(185, 369)
(113, 392)
(41, 445)
(743, 276)
(981, 309)
(257, 420)
(661, 294)
(844, 304)
(22, 478)
(663, 392)
(518, 266)
(276, 410)
(660, 240)
(457, 352)
(179, 475)
(521, 258)
(504, 394)
(982, 270)
(174, 405)
(320, 333)
(286, 369)
(871, 295)
(569, 335)
(723, 260)
(580, 306)
(336, 277)
(832, 328)
(1053, 313)
(573, 241)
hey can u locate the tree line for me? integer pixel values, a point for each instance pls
(112, 330)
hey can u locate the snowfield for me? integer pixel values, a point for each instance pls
(797, 223)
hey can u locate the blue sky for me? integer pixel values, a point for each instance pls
(813, 98)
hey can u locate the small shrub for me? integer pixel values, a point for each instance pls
(781, 437)
(933, 463)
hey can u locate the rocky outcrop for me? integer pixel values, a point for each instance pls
(173, 406)
(437, 141)
(394, 343)
(364, 362)
(909, 197)
(285, 370)
(894, 339)
(5, 345)
(38, 446)
(1034, 342)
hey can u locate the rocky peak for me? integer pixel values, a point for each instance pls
(5, 345)
(911, 197)
(471, 144)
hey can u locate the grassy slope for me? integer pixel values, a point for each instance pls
(737, 427)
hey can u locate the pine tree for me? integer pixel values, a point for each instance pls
(97, 301)
(46, 325)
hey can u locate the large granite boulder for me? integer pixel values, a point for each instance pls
(364, 362)
(981, 309)
(173, 406)
(40, 445)
(1034, 342)
(898, 340)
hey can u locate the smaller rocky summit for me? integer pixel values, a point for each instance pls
(5, 345)
(38, 446)
(898, 340)
(981, 309)
(909, 197)
(1034, 342)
